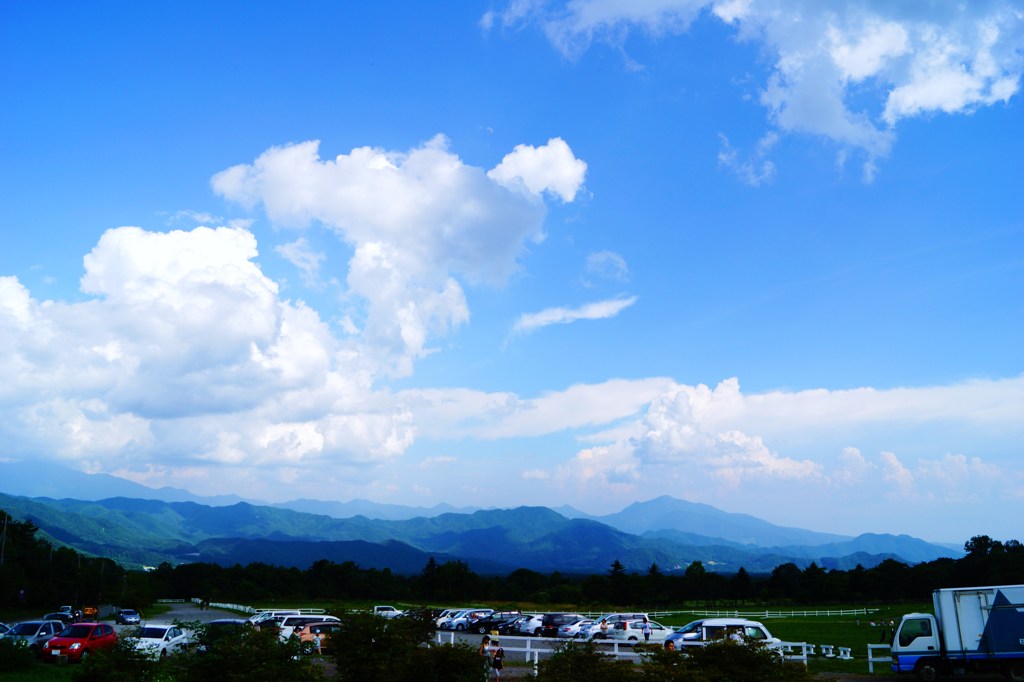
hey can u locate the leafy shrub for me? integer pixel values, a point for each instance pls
(371, 649)
(575, 661)
(14, 656)
(724, 661)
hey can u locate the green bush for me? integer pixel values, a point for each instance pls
(14, 656)
(724, 661)
(371, 649)
(581, 661)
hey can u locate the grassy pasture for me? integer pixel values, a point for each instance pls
(855, 632)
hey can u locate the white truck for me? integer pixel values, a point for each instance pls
(387, 612)
(974, 629)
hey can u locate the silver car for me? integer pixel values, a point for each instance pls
(34, 633)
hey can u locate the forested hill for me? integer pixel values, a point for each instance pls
(150, 532)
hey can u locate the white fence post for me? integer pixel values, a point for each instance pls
(872, 659)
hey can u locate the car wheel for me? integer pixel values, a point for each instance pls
(85, 655)
(308, 648)
(632, 640)
(1014, 671)
(163, 653)
(480, 629)
(460, 627)
(536, 633)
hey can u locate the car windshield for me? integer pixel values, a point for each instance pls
(76, 631)
(152, 633)
(128, 612)
(690, 627)
(25, 629)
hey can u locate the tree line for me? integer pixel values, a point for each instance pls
(35, 574)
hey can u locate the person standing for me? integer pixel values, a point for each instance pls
(484, 651)
(646, 629)
(497, 659)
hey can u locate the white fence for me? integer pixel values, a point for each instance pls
(532, 648)
(767, 613)
(872, 659)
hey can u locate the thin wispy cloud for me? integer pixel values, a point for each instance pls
(600, 310)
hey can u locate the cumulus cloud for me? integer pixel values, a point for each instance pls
(183, 349)
(895, 60)
(551, 168)
(712, 441)
(420, 223)
(598, 310)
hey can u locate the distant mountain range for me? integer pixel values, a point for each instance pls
(136, 525)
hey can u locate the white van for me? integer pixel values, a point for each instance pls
(258, 618)
(289, 625)
(595, 631)
(700, 632)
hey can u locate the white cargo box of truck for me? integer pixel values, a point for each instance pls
(973, 629)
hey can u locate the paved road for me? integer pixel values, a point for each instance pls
(185, 612)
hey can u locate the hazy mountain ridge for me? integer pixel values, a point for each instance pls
(669, 513)
(151, 531)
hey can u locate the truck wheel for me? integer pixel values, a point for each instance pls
(927, 671)
(1014, 671)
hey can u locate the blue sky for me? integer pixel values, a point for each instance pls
(762, 254)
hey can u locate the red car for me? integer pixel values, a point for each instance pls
(79, 640)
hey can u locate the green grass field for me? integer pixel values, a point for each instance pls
(854, 632)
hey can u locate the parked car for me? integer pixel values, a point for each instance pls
(511, 627)
(128, 617)
(632, 631)
(493, 621)
(531, 625)
(258, 618)
(79, 641)
(572, 630)
(444, 615)
(595, 631)
(464, 619)
(289, 625)
(64, 618)
(221, 629)
(551, 623)
(316, 637)
(387, 612)
(700, 632)
(34, 633)
(159, 640)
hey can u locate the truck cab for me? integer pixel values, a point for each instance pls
(915, 644)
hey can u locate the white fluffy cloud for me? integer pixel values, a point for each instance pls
(418, 221)
(551, 168)
(183, 351)
(712, 441)
(911, 59)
